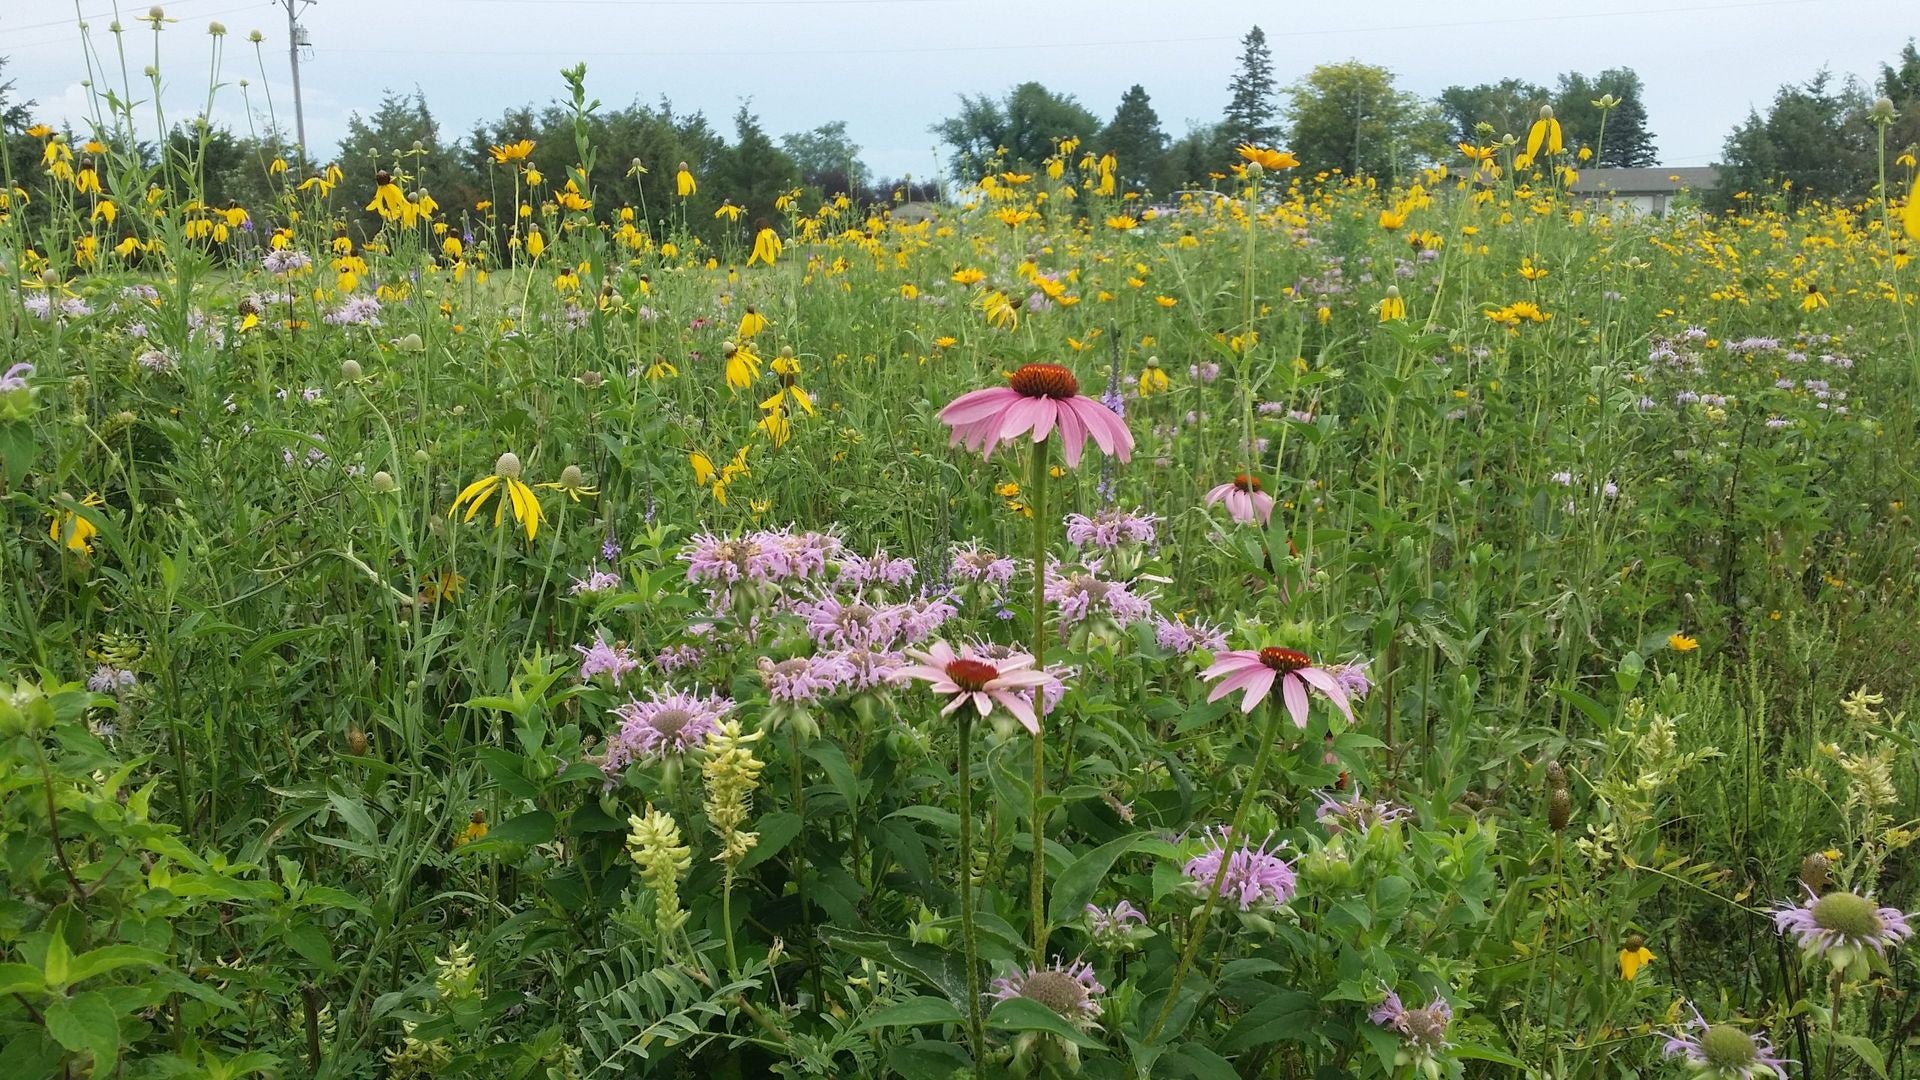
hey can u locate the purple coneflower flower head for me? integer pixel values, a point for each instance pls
(967, 677)
(1423, 1030)
(594, 583)
(107, 679)
(601, 658)
(975, 565)
(1253, 876)
(1253, 672)
(1843, 926)
(1070, 990)
(1246, 503)
(1037, 399)
(1357, 814)
(1724, 1052)
(665, 724)
(1111, 528)
(803, 679)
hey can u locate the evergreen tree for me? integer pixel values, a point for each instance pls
(1187, 163)
(1629, 143)
(1250, 115)
(1901, 85)
(1135, 139)
(753, 172)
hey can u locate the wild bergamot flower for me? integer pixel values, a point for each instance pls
(1724, 1052)
(1843, 927)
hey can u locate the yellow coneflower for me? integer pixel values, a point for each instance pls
(969, 276)
(1910, 216)
(1545, 131)
(683, 182)
(517, 495)
(729, 211)
(999, 310)
(1815, 299)
(766, 245)
(703, 470)
(751, 324)
(1634, 955)
(476, 829)
(536, 243)
(660, 368)
(743, 366)
(73, 531)
(388, 200)
(1392, 307)
(572, 483)
(1153, 379)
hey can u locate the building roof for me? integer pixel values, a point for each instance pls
(1649, 181)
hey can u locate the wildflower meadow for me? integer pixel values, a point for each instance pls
(1290, 624)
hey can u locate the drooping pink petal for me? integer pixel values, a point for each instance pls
(1021, 710)
(976, 405)
(1230, 660)
(1328, 685)
(1073, 435)
(1294, 693)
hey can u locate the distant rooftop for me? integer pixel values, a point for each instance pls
(1649, 181)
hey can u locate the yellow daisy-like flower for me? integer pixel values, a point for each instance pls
(516, 151)
(1269, 159)
(751, 323)
(572, 482)
(661, 368)
(683, 183)
(1153, 380)
(1682, 643)
(504, 479)
(74, 532)
(1634, 955)
(743, 365)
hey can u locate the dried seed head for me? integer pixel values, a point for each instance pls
(1556, 776)
(356, 741)
(1813, 871)
(1559, 810)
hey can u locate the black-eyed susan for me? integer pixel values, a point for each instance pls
(514, 494)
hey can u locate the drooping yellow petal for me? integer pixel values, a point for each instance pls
(1535, 136)
(479, 491)
(702, 467)
(1910, 217)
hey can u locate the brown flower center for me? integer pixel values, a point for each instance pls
(1246, 482)
(1057, 990)
(971, 676)
(671, 722)
(1044, 381)
(1284, 660)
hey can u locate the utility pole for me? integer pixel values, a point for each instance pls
(296, 37)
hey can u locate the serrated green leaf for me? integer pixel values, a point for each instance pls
(912, 1012)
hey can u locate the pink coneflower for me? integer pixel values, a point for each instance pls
(803, 679)
(1036, 399)
(601, 658)
(1724, 1052)
(1424, 1030)
(1255, 672)
(975, 565)
(1110, 528)
(1069, 990)
(665, 724)
(1246, 503)
(1842, 926)
(968, 677)
(1255, 876)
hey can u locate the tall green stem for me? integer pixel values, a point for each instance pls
(1037, 501)
(1269, 737)
(976, 1040)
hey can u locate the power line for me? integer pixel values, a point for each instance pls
(66, 39)
(109, 14)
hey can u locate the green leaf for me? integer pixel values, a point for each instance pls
(945, 820)
(1202, 1063)
(912, 1012)
(1483, 1053)
(20, 979)
(528, 829)
(928, 1060)
(58, 962)
(1077, 884)
(777, 830)
(1026, 1014)
(1283, 1016)
(355, 815)
(328, 896)
(839, 773)
(1867, 1052)
(934, 967)
(86, 1024)
(108, 957)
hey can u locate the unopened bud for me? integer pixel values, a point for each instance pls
(1883, 110)
(571, 477)
(1546, 112)
(256, 36)
(1556, 776)
(350, 371)
(217, 29)
(382, 482)
(356, 742)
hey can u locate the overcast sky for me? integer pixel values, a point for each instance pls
(890, 68)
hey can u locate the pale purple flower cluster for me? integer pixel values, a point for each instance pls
(804, 679)
(679, 658)
(596, 582)
(1204, 373)
(16, 377)
(1113, 922)
(144, 293)
(107, 679)
(1352, 677)
(859, 623)
(869, 669)
(673, 722)
(775, 555)
(355, 311)
(858, 571)
(1254, 876)
(613, 660)
(1423, 1030)
(1111, 528)
(156, 360)
(1080, 595)
(1753, 345)
(973, 564)
(1176, 635)
(286, 261)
